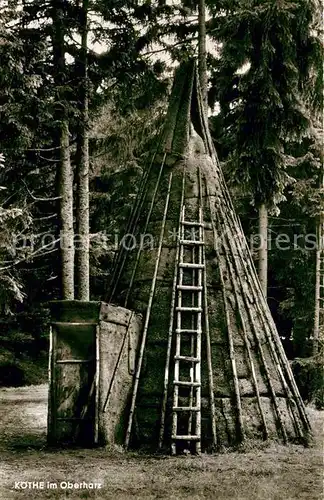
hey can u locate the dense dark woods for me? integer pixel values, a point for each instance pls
(84, 88)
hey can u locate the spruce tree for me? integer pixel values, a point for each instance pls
(82, 166)
(267, 83)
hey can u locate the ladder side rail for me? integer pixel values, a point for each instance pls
(199, 329)
(195, 268)
(192, 343)
(171, 323)
(178, 346)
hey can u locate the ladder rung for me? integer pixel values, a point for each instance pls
(191, 288)
(191, 265)
(183, 330)
(77, 361)
(191, 242)
(189, 309)
(186, 408)
(185, 438)
(187, 358)
(194, 224)
(72, 419)
(186, 383)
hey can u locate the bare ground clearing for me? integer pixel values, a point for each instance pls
(274, 473)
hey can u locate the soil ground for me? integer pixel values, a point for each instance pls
(273, 473)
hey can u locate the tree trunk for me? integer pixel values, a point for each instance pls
(66, 215)
(263, 248)
(319, 279)
(82, 204)
(65, 176)
(202, 64)
(317, 292)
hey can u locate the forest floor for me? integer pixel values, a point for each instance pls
(274, 473)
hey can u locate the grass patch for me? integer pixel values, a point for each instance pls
(274, 473)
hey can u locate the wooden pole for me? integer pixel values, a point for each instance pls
(97, 375)
(247, 260)
(104, 408)
(121, 255)
(50, 387)
(231, 345)
(270, 329)
(232, 358)
(207, 328)
(202, 64)
(263, 248)
(242, 319)
(230, 238)
(147, 319)
(144, 231)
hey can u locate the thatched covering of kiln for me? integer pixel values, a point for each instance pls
(248, 391)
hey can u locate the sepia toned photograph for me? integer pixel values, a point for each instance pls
(161, 250)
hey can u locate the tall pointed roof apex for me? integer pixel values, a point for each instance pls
(185, 111)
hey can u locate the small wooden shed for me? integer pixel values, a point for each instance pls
(91, 365)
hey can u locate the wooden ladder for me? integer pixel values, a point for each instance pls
(186, 409)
